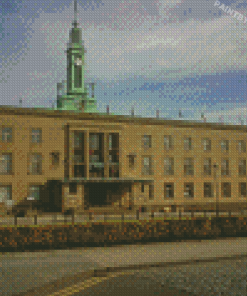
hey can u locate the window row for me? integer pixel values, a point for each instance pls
(6, 193)
(34, 163)
(36, 137)
(188, 145)
(188, 166)
(7, 135)
(96, 147)
(208, 190)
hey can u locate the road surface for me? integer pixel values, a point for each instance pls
(227, 277)
(47, 272)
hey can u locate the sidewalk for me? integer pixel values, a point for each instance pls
(22, 272)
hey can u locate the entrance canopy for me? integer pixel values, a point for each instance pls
(106, 180)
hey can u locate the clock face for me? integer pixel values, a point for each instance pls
(78, 62)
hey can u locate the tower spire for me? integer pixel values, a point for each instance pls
(75, 14)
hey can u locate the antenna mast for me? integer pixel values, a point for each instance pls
(75, 13)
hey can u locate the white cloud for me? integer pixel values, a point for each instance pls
(167, 52)
(165, 6)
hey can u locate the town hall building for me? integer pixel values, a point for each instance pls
(72, 156)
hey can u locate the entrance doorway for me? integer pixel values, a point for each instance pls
(97, 194)
(102, 194)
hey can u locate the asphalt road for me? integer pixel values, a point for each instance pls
(227, 277)
(52, 271)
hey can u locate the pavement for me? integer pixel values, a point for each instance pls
(44, 273)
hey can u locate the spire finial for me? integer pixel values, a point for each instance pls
(75, 13)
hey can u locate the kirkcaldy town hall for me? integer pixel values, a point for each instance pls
(73, 156)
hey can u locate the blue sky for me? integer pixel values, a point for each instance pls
(170, 55)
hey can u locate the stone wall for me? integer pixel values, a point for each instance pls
(73, 200)
(94, 233)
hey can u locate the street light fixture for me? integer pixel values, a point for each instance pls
(216, 189)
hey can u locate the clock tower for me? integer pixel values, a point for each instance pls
(73, 95)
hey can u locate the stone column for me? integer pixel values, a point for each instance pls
(71, 154)
(63, 197)
(86, 153)
(106, 155)
(81, 197)
(66, 151)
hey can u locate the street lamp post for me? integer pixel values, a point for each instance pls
(216, 189)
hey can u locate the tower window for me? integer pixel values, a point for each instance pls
(78, 76)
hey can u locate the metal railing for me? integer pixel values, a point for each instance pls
(71, 217)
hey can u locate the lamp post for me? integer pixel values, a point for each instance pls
(216, 189)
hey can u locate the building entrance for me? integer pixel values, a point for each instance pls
(103, 194)
(97, 194)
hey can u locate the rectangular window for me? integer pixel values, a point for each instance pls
(55, 158)
(208, 189)
(147, 165)
(36, 135)
(94, 142)
(78, 157)
(168, 142)
(189, 166)
(169, 166)
(7, 134)
(226, 189)
(169, 190)
(207, 167)
(187, 143)
(34, 191)
(6, 164)
(146, 141)
(79, 171)
(78, 140)
(131, 161)
(35, 164)
(206, 144)
(78, 76)
(189, 190)
(113, 141)
(5, 193)
(241, 146)
(110, 142)
(224, 145)
(114, 158)
(72, 188)
(242, 189)
(225, 167)
(142, 188)
(242, 167)
(151, 192)
(94, 158)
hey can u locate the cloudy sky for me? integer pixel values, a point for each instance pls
(170, 55)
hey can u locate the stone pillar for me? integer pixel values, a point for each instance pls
(106, 155)
(86, 153)
(63, 196)
(81, 201)
(125, 199)
(75, 201)
(66, 151)
(71, 154)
